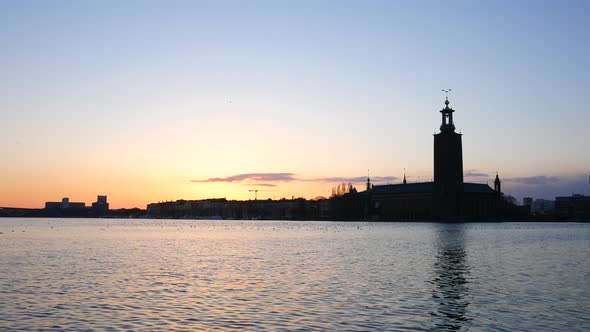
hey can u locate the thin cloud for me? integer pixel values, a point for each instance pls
(535, 180)
(473, 173)
(357, 179)
(263, 177)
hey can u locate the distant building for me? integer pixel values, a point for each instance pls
(53, 205)
(65, 208)
(573, 206)
(101, 204)
(543, 207)
(65, 204)
(527, 202)
(220, 208)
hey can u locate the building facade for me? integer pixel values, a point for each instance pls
(575, 206)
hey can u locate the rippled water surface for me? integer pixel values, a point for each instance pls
(74, 274)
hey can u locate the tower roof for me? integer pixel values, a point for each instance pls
(447, 109)
(447, 125)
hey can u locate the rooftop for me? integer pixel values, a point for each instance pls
(428, 187)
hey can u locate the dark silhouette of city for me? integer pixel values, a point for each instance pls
(447, 197)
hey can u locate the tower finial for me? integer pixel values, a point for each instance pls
(446, 91)
(447, 114)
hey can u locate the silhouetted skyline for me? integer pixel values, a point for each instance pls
(167, 100)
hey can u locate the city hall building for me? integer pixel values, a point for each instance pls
(448, 196)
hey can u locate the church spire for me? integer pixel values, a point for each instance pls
(497, 184)
(447, 115)
(368, 180)
(405, 182)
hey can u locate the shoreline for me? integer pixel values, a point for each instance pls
(466, 220)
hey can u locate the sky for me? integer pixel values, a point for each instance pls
(148, 101)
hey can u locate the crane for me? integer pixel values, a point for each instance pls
(255, 193)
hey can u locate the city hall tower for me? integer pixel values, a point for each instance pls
(448, 167)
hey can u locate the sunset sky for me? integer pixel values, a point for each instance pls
(146, 101)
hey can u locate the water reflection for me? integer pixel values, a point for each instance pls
(450, 281)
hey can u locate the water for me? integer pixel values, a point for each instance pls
(74, 274)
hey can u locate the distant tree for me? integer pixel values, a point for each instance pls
(510, 199)
(343, 189)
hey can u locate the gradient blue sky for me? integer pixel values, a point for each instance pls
(135, 99)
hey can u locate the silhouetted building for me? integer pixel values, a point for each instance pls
(527, 202)
(543, 207)
(101, 204)
(53, 205)
(220, 208)
(65, 204)
(573, 206)
(447, 196)
(65, 208)
(448, 167)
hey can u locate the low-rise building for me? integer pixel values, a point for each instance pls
(101, 204)
(543, 207)
(577, 206)
(527, 202)
(65, 204)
